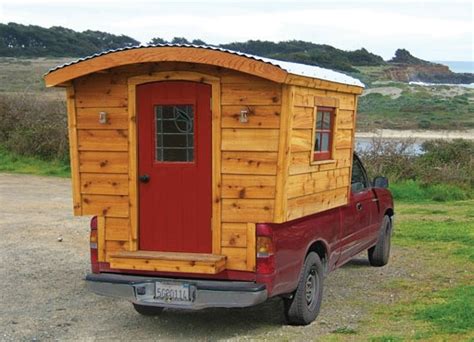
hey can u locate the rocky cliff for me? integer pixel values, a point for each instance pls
(406, 68)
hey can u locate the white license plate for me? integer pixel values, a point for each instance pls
(173, 293)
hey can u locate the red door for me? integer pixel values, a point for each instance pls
(174, 164)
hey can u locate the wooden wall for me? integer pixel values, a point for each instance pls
(248, 165)
(251, 155)
(316, 186)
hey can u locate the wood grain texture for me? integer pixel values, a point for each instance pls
(241, 210)
(104, 184)
(251, 247)
(73, 150)
(248, 186)
(104, 205)
(309, 82)
(103, 162)
(251, 94)
(307, 205)
(164, 54)
(301, 140)
(237, 139)
(88, 118)
(101, 246)
(234, 235)
(253, 163)
(258, 116)
(117, 229)
(102, 140)
(168, 262)
(236, 258)
(284, 147)
(345, 119)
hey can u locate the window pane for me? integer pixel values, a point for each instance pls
(174, 127)
(359, 181)
(327, 120)
(317, 142)
(319, 120)
(324, 141)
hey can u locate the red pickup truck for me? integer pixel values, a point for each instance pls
(292, 259)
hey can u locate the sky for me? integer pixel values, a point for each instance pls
(432, 30)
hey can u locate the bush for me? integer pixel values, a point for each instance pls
(34, 125)
(442, 170)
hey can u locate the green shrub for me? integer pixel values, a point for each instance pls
(34, 125)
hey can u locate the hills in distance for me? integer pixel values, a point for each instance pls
(17, 40)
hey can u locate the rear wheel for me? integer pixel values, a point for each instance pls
(380, 253)
(146, 310)
(303, 307)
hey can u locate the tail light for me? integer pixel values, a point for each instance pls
(93, 246)
(265, 250)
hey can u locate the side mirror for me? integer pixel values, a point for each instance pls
(380, 182)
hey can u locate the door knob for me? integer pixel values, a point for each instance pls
(144, 178)
(359, 206)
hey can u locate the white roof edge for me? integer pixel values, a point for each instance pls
(290, 67)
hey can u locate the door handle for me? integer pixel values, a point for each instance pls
(144, 178)
(359, 206)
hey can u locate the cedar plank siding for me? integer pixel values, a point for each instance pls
(249, 161)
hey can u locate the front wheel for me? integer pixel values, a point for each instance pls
(380, 253)
(303, 307)
(147, 310)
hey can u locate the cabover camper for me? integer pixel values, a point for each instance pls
(217, 178)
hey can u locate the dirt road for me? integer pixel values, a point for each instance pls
(43, 295)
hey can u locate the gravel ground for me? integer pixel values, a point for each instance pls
(43, 295)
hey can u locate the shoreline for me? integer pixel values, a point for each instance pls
(416, 134)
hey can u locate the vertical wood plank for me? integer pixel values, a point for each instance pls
(352, 145)
(284, 153)
(132, 167)
(101, 238)
(251, 248)
(216, 167)
(73, 150)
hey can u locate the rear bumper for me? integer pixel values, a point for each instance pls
(207, 293)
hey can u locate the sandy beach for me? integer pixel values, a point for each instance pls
(417, 134)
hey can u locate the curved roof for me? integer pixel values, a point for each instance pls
(272, 69)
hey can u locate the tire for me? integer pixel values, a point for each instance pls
(147, 310)
(380, 253)
(303, 307)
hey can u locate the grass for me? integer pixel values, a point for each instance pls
(436, 302)
(418, 107)
(455, 313)
(412, 191)
(13, 163)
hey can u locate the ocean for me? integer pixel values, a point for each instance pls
(459, 66)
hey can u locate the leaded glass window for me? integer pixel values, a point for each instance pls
(174, 127)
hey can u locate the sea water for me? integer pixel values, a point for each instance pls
(459, 66)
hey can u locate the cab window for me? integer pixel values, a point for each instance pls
(359, 180)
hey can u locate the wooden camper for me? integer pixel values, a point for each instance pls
(262, 159)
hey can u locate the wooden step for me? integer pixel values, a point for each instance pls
(168, 262)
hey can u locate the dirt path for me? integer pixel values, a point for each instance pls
(43, 296)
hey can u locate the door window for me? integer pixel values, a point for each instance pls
(359, 180)
(174, 128)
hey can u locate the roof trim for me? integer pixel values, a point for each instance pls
(270, 69)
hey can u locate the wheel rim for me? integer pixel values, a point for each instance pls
(311, 287)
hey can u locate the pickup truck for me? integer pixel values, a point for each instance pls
(292, 260)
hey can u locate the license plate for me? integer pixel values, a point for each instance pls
(173, 293)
